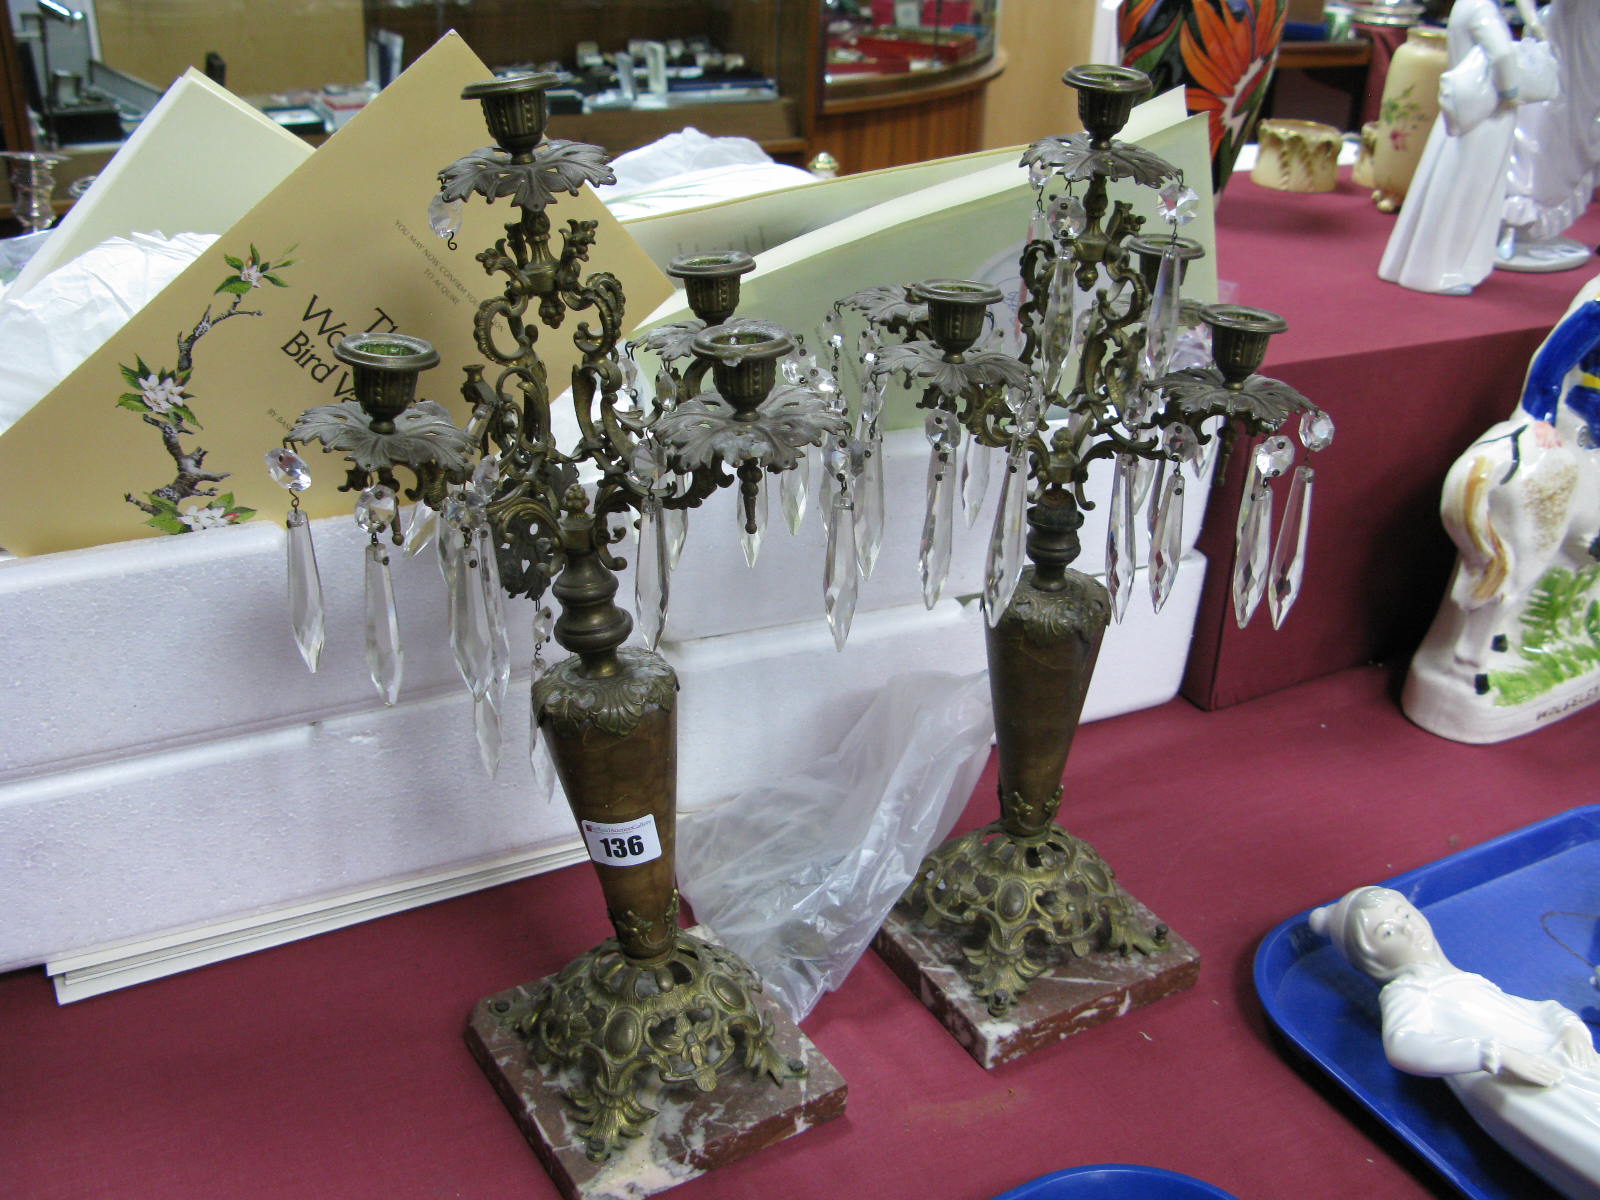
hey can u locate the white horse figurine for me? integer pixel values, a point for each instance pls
(1517, 640)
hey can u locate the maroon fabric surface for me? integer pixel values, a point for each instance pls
(335, 1067)
(1410, 380)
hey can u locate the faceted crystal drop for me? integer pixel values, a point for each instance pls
(1038, 174)
(1003, 563)
(841, 577)
(1316, 430)
(384, 657)
(422, 529)
(752, 514)
(1252, 546)
(933, 557)
(1067, 216)
(872, 400)
(1176, 204)
(1166, 539)
(790, 369)
(975, 468)
(1038, 225)
(305, 589)
(650, 578)
(470, 636)
(486, 722)
(1143, 476)
(494, 603)
(288, 469)
(1120, 555)
(1289, 555)
(1214, 428)
(674, 532)
(544, 775)
(666, 393)
(444, 216)
(544, 624)
(1273, 457)
(1162, 323)
(869, 505)
(1158, 490)
(792, 491)
(377, 509)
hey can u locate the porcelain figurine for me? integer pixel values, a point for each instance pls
(1516, 643)
(1555, 156)
(1445, 237)
(1526, 1070)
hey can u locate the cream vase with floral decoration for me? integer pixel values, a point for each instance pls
(1410, 104)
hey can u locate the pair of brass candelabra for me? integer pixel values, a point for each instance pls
(737, 402)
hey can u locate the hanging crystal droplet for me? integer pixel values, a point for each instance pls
(377, 509)
(650, 574)
(422, 529)
(752, 514)
(1177, 204)
(933, 558)
(792, 491)
(1206, 454)
(1120, 554)
(1163, 321)
(469, 621)
(444, 216)
(1158, 490)
(494, 603)
(305, 589)
(544, 775)
(1289, 555)
(872, 398)
(1316, 430)
(486, 722)
(1068, 216)
(1252, 546)
(1003, 564)
(869, 504)
(1144, 475)
(1166, 539)
(975, 469)
(1273, 457)
(841, 579)
(288, 469)
(674, 532)
(384, 657)
(1038, 174)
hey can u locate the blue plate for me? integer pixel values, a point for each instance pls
(1520, 910)
(1115, 1181)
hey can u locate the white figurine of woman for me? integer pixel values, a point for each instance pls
(1555, 156)
(1526, 1070)
(1444, 239)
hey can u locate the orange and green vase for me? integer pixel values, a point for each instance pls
(1221, 52)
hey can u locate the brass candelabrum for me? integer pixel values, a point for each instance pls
(1109, 369)
(653, 1007)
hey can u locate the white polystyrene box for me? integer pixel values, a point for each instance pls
(181, 767)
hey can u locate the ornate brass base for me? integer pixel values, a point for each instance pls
(1019, 902)
(618, 1032)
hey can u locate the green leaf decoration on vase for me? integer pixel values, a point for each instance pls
(1222, 52)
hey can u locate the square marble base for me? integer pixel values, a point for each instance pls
(1072, 996)
(694, 1131)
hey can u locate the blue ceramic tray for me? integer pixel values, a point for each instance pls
(1116, 1181)
(1498, 909)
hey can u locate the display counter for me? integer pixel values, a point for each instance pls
(335, 1066)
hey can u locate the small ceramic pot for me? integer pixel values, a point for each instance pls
(1410, 104)
(1361, 173)
(1298, 156)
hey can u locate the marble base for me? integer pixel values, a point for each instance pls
(1074, 995)
(694, 1131)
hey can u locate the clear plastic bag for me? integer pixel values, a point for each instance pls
(798, 876)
